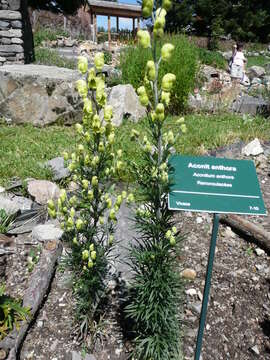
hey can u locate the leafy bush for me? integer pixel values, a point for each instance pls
(5, 221)
(183, 64)
(43, 34)
(212, 58)
(89, 216)
(155, 288)
(51, 58)
(11, 313)
(107, 57)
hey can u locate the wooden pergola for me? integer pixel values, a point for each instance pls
(118, 10)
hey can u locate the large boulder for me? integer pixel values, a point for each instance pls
(39, 94)
(125, 103)
(251, 105)
(255, 72)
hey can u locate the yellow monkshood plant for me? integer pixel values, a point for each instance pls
(88, 215)
(155, 294)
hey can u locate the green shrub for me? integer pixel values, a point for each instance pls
(183, 65)
(212, 58)
(11, 313)
(107, 57)
(5, 221)
(44, 34)
(52, 58)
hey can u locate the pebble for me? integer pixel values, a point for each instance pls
(255, 350)
(200, 295)
(199, 220)
(191, 292)
(259, 251)
(189, 274)
(197, 307)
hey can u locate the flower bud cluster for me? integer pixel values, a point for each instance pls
(89, 257)
(170, 235)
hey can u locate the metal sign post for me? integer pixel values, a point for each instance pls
(213, 185)
(207, 286)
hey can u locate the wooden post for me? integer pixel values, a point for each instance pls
(109, 29)
(138, 24)
(95, 26)
(117, 24)
(133, 27)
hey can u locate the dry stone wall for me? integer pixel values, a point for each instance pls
(16, 39)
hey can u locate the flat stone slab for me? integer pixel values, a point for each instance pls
(10, 15)
(46, 232)
(12, 203)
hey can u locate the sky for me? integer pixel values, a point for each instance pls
(123, 23)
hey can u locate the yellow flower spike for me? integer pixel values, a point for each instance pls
(141, 91)
(85, 184)
(79, 129)
(88, 107)
(151, 70)
(85, 254)
(119, 165)
(62, 225)
(167, 51)
(80, 148)
(166, 4)
(111, 238)
(168, 234)
(174, 230)
(183, 128)
(72, 212)
(63, 195)
(119, 153)
(158, 33)
(82, 88)
(84, 268)
(79, 224)
(99, 61)
(82, 64)
(111, 138)
(92, 79)
(92, 247)
(171, 138)
(94, 181)
(181, 120)
(134, 134)
(112, 215)
(109, 203)
(172, 240)
(75, 241)
(86, 159)
(107, 171)
(108, 112)
(130, 198)
(50, 204)
(101, 220)
(165, 97)
(65, 155)
(90, 264)
(160, 112)
(147, 8)
(124, 194)
(70, 222)
(102, 129)
(52, 213)
(168, 81)
(93, 255)
(144, 38)
(144, 100)
(119, 200)
(90, 195)
(73, 200)
(101, 147)
(65, 210)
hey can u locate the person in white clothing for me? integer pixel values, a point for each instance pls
(238, 63)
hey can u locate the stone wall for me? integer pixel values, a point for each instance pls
(16, 39)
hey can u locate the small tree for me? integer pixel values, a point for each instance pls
(155, 294)
(89, 215)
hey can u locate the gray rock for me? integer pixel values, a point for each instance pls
(250, 105)
(4, 24)
(11, 33)
(11, 49)
(255, 350)
(253, 148)
(57, 165)
(17, 41)
(2, 59)
(14, 4)
(256, 72)
(124, 234)
(43, 190)
(256, 81)
(12, 203)
(6, 41)
(46, 232)
(10, 15)
(125, 103)
(16, 24)
(196, 308)
(74, 355)
(227, 55)
(39, 94)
